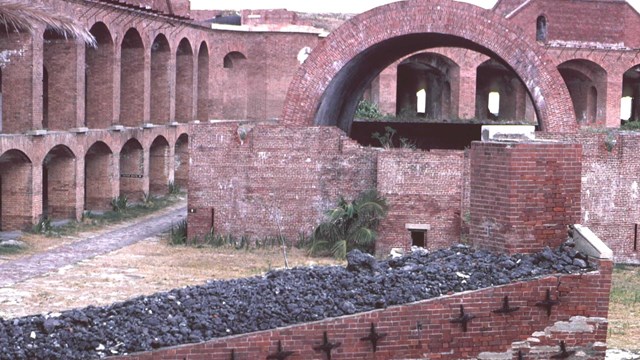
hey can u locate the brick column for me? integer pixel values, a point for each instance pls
(523, 194)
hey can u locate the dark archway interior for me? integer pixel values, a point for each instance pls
(59, 184)
(160, 75)
(433, 74)
(97, 185)
(15, 190)
(339, 101)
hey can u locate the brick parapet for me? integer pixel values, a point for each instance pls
(523, 195)
(424, 330)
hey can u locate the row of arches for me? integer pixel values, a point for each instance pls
(428, 86)
(130, 171)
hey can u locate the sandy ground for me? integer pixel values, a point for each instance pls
(144, 268)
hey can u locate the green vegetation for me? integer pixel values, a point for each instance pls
(631, 125)
(624, 307)
(350, 225)
(174, 189)
(119, 204)
(121, 211)
(387, 141)
(368, 110)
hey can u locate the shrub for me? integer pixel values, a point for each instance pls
(368, 110)
(350, 225)
(178, 235)
(119, 204)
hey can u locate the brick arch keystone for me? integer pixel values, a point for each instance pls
(327, 87)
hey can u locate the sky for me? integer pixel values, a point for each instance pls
(347, 6)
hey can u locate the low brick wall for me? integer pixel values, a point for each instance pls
(423, 330)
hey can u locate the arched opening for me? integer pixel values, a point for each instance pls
(541, 28)
(510, 100)
(132, 171)
(59, 184)
(430, 75)
(60, 87)
(203, 82)
(331, 81)
(181, 172)
(16, 192)
(235, 96)
(99, 79)
(160, 74)
(184, 82)
(98, 178)
(45, 98)
(631, 91)
(132, 79)
(587, 84)
(159, 163)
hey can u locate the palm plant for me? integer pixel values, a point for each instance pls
(350, 225)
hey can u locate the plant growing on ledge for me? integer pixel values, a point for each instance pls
(350, 225)
(368, 110)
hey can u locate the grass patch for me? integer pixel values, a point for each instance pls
(624, 308)
(11, 250)
(122, 210)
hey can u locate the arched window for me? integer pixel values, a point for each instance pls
(541, 28)
(494, 103)
(421, 97)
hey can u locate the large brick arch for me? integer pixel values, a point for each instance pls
(327, 87)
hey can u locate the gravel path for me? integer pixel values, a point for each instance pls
(136, 230)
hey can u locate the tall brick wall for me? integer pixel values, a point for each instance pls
(523, 195)
(421, 188)
(610, 179)
(271, 179)
(423, 329)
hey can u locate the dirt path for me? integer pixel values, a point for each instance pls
(25, 268)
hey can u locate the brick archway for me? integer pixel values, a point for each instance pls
(327, 87)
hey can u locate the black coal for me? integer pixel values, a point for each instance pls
(279, 298)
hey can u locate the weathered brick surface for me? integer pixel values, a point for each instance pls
(423, 330)
(272, 179)
(610, 189)
(523, 195)
(421, 188)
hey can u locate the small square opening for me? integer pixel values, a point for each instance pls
(418, 238)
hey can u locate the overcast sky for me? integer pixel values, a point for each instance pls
(348, 6)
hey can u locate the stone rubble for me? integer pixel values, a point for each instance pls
(279, 298)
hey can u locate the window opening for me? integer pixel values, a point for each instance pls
(635, 237)
(541, 28)
(494, 103)
(625, 108)
(421, 100)
(418, 238)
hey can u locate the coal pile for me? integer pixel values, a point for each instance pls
(279, 298)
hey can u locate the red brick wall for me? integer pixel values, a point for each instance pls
(423, 329)
(421, 188)
(523, 195)
(610, 189)
(275, 179)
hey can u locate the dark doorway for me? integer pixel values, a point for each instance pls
(418, 238)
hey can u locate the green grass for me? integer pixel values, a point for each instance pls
(10, 250)
(624, 308)
(124, 211)
(627, 290)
